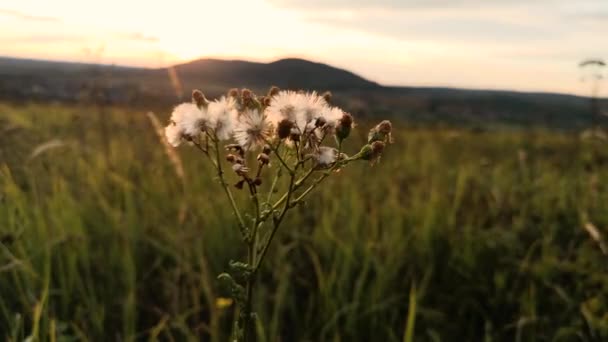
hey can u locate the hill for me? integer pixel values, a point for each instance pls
(285, 73)
(158, 89)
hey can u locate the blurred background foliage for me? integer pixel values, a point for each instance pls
(458, 234)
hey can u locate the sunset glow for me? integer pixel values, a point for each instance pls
(507, 45)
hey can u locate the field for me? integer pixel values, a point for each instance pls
(456, 235)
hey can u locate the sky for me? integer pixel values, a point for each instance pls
(526, 45)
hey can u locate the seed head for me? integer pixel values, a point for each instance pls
(326, 156)
(231, 158)
(267, 150)
(253, 129)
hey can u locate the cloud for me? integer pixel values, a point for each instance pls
(137, 36)
(432, 27)
(398, 4)
(599, 17)
(27, 17)
(43, 39)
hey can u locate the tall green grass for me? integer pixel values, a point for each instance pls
(455, 236)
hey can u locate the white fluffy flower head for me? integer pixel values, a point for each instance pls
(282, 106)
(223, 116)
(186, 120)
(252, 129)
(173, 134)
(326, 156)
(299, 108)
(310, 106)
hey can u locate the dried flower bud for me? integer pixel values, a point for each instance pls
(257, 181)
(231, 158)
(246, 94)
(265, 101)
(284, 128)
(239, 184)
(320, 122)
(234, 92)
(199, 98)
(249, 100)
(327, 96)
(382, 132)
(378, 147)
(237, 148)
(240, 169)
(346, 120)
(294, 134)
(267, 150)
(371, 152)
(263, 158)
(274, 90)
(385, 127)
(344, 126)
(365, 153)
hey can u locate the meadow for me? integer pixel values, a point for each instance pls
(456, 235)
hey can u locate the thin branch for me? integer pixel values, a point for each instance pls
(276, 223)
(220, 174)
(275, 149)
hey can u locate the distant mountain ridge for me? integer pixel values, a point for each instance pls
(39, 80)
(284, 73)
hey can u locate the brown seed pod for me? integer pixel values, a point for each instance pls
(263, 158)
(234, 92)
(199, 98)
(231, 158)
(274, 90)
(320, 122)
(284, 128)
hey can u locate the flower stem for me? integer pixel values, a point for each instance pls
(220, 174)
(276, 223)
(249, 334)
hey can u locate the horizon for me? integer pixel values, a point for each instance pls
(468, 44)
(432, 86)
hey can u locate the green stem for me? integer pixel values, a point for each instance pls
(296, 186)
(275, 149)
(276, 223)
(249, 334)
(220, 174)
(310, 188)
